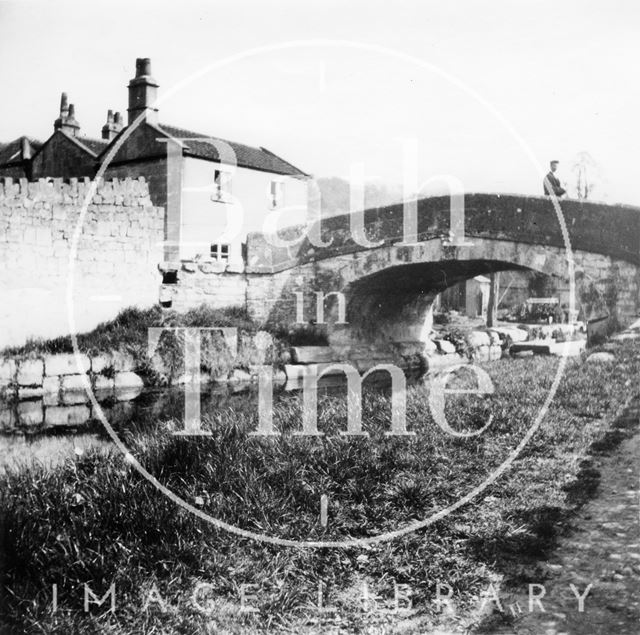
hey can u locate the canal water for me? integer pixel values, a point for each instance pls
(30, 431)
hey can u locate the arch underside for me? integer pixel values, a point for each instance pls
(390, 290)
(395, 304)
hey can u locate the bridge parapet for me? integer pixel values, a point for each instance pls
(612, 230)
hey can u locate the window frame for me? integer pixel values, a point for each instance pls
(220, 252)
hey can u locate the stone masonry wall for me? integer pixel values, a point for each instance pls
(118, 251)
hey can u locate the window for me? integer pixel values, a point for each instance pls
(220, 252)
(276, 194)
(221, 185)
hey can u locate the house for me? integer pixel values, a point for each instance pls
(214, 191)
(15, 157)
(66, 153)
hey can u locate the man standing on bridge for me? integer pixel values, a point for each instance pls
(551, 182)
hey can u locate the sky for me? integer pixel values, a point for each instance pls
(484, 91)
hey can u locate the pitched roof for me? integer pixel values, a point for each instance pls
(12, 152)
(246, 156)
(95, 145)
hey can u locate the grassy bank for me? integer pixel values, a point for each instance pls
(130, 329)
(97, 521)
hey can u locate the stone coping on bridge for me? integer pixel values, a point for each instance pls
(612, 230)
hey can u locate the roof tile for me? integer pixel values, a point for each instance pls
(246, 156)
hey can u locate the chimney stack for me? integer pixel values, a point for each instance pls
(67, 120)
(143, 92)
(25, 148)
(113, 125)
(64, 106)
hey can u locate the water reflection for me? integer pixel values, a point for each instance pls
(31, 431)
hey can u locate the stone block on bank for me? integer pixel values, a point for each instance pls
(494, 336)
(66, 415)
(476, 339)
(495, 352)
(429, 347)
(128, 379)
(73, 389)
(601, 358)
(100, 362)
(103, 386)
(51, 391)
(74, 382)
(7, 372)
(514, 333)
(66, 364)
(127, 386)
(30, 392)
(481, 353)
(30, 413)
(30, 372)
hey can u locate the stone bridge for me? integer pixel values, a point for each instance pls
(389, 286)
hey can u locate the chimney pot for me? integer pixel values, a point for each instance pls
(64, 105)
(143, 91)
(66, 122)
(25, 148)
(143, 66)
(113, 125)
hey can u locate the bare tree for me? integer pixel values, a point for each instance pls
(587, 174)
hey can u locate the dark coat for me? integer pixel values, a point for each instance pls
(552, 185)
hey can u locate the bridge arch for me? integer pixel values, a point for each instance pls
(393, 285)
(390, 291)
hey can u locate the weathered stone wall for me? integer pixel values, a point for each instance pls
(115, 264)
(154, 173)
(205, 283)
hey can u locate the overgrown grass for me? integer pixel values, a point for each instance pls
(129, 330)
(97, 521)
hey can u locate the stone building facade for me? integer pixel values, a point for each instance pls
(204, 183)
